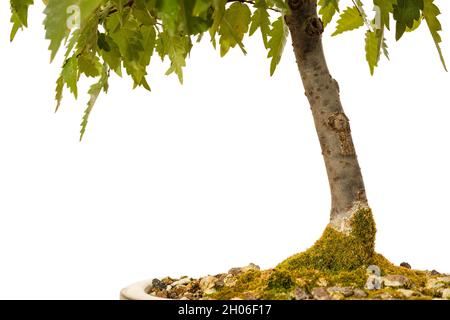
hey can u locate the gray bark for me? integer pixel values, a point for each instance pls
(332, 125)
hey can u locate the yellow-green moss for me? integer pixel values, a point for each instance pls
(250, 282)
(418, 278)
(281, 280)
(336, 259)
(336, 251)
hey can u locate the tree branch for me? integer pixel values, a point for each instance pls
(131, 3)
(253, 3)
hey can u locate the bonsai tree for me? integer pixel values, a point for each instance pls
(101, 37)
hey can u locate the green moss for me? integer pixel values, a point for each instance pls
(336, 251)
(280, 280)
(336, 259)
(356, 278)
(418, 278)
(251, 282)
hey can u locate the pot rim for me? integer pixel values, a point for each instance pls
(139, 291)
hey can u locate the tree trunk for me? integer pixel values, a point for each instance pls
(332, 125)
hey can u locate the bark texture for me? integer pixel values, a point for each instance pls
(332, 125)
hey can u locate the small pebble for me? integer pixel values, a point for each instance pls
(158, 284)
(181, 282)
(434, 273)
(405, 265)
(300, 294)
(320, 293)
(358, 293)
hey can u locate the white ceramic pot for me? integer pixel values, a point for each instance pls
(139, 291)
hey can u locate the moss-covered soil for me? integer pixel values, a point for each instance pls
(337, 266)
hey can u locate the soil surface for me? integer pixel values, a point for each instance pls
(382, 281)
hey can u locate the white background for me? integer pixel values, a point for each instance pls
(222, 171)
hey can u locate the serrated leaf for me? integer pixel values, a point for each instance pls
(16, 26)
(234, 25)
(416, 25)
(112, 57)
(193, 23)
(148, 43)
(58, 16)
(19, 15)
(260, 19)
(385, 48)
(142, 11)
(405, 13)
(278, 36)
(168, 12)
(87, 36)
(177, 48)
(94, 92)
(349, 20)
(69, 75)
(374, 40)
(218, 13)
(430, 13)
(328, 8)
(20, 8)
(371, 50)
(89, 64)
(59, 92)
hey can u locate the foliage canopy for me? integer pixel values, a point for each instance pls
(100, 36)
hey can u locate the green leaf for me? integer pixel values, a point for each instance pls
(148, 43)
(89, 64)
(371, 50)
(140, 67)
(349, 20)
(430, 13)
(201, 6)
(217, 16)
(278, 36)
(94, 92)
(60, 14)
(19, 15)
(374, 44)
(234, 25)
(260, 19)
(405, 13)
(168, 12)
(328, 9)
(110, 53)
(59, 92)
(191, 23)
(16, 26)
(177, 48)
(69, 75)
(416, 25)
(129, 41)
(20, 8)
(87, 36)
(385, 48)
(142, 11)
